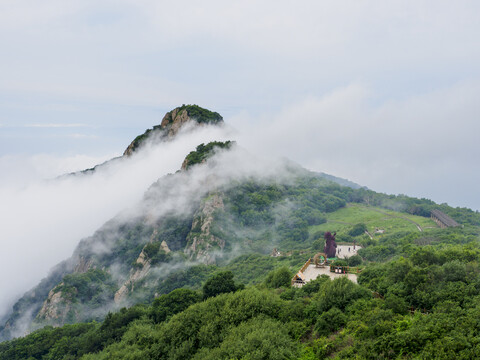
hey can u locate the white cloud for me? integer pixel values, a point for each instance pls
(423, 146)
(51, 125)
(157, 53)
(42, 221)
(22, 170)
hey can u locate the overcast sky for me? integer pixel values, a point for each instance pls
(384, 93)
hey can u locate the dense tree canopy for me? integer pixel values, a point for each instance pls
(219, 284)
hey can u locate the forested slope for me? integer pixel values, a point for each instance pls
(187, 272)
(425, 305)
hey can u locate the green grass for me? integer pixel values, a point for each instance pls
(342, 221)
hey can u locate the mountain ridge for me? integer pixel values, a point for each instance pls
(206, 214)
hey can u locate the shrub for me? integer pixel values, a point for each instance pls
(357, 230)
(278, 278)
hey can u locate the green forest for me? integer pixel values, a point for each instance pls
(418, 299)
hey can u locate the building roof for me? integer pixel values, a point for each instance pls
(300, 276)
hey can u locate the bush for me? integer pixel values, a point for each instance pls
(358, 229)
(219, 284)
(279, 278)
(340, 262)
(151, 249)
(173, 303)
(354, 260)
(330, 321)
(203, 152)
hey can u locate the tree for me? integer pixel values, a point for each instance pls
(255, 339)
(358, 229)
(354, 260)
(219, 284)
(330, 321)
(173, 303)
(278, 278)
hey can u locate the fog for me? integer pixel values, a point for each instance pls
(425, 145)
(411, 146)
(44, 217)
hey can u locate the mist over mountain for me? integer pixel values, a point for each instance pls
(321, 203)
(163, 207)
(99, 193)
(45, 219)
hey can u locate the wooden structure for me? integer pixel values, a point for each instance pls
(299, 278)
(442, 219)
(318, 262)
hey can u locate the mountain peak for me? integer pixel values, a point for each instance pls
(173, 121)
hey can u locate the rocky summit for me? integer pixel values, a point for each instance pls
(172, 122)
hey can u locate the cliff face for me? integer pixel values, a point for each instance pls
(58, 306)
(174, 120)
(55, 309)
(83, 265)
(202, 244)
(142, 266)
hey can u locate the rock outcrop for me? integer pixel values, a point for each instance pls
(172, 122)
(143, 266)
(55, 309)
(83, 265)
(201, 243)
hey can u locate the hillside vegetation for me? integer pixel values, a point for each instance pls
(418, 296)
(187, 273)
(422, 305)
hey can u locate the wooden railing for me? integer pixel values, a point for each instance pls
(303, 268)
(306, 265)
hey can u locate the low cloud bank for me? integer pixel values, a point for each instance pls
(421, 146)
(43, 220)
(425, 145)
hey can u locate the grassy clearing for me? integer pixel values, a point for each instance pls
(343, 220)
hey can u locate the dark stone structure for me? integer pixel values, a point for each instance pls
(330, 245)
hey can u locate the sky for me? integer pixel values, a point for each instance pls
(383, 93)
